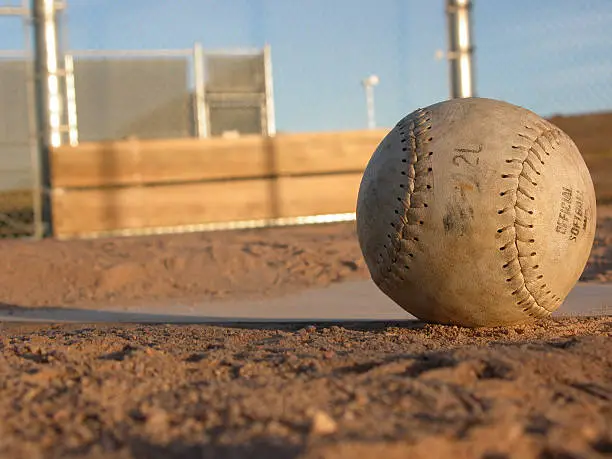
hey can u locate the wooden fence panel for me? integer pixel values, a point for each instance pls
(92, 210)
(325, 152)
(82, 211)
(318, 195)
(136, 162)
(138, 184)
(600, 167)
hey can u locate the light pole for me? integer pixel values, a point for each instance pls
(48, 99)
(460, 48)
(368, 85)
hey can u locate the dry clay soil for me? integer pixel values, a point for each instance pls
(350, 390)
(318, 390)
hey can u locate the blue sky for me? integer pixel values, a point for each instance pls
(552, 56)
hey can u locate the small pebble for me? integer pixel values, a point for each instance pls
(323, 424)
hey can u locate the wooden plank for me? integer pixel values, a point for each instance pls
(92, 210)
(592, 132)
(325, 152)
(318, 195)
(80, 211)
(135, 162)
(600, 167)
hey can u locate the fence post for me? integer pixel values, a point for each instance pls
(71, 106)
(201, 119)
(270, 115)
(460, 48)
(48, 101)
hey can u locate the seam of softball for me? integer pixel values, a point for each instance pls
(527, 283)
(404, 236)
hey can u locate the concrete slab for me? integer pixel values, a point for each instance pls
(350, 301)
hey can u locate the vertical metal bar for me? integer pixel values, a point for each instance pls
(269, 96)
(32, 127)
(48, 105)
(71, 107)
(368, 85)
(201, 120)
(47, 67)
(460, 49)
(369, 90)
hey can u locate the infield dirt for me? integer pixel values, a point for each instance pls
(320, 390)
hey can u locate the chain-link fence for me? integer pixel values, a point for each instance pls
(130, 94)
(168, 93)
(238, 92)
(17, 131)
(111, 95)
(550, 56)
(553, 57)
(16, 181)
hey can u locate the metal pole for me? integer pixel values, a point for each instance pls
(368, 85)
(47, 96)
(32, 127)
(370, 104)
(200, 95)
(73, 129)
(270, 113)
(460, 49)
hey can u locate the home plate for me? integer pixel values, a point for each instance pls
(349, 301)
